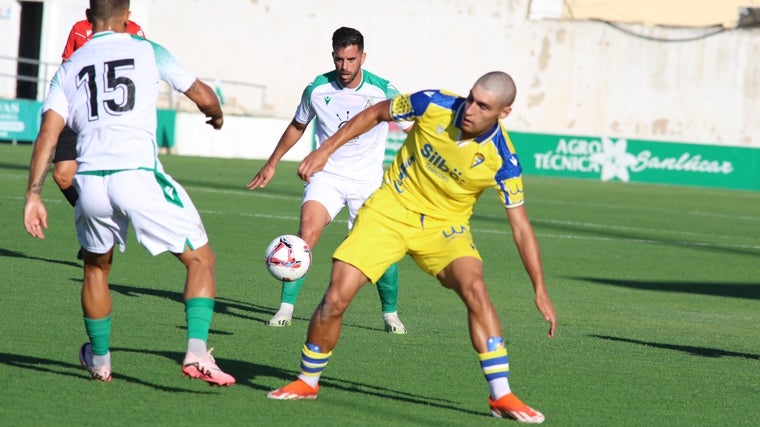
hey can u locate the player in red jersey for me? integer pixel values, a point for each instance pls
(81, 33)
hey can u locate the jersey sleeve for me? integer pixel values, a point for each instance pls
(508, 179)
(171, 71)
(56, 98)
(412, 106)
(304, 112)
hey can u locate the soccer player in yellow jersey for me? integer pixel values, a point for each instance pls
(456, 150)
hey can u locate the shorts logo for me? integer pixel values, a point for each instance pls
(170, 193)
(454, 231)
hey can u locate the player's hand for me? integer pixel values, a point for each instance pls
(263, 177)
(545, 306)
(35, 218)
(311, 164)
(215, 122)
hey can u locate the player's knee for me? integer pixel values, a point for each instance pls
(475, 294)
(334, 304)
(201, 258)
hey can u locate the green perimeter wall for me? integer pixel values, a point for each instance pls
(629, 160)
(20, 120)
(601, 158)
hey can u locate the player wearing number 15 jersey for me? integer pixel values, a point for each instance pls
(107, 93)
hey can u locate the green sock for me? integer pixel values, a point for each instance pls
(290, 290)
(387, 288)
(99, 331)
(198, 312)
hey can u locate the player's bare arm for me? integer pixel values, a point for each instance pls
(207, 102)
(363, 122)
(530, 254)
(35, 214)
(289, 138)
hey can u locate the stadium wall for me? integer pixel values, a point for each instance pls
(592, 80)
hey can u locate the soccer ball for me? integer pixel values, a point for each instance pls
(288, 258)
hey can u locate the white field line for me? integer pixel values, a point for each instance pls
(589, 225)
(295, 218)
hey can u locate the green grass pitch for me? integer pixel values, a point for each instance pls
(657, 291)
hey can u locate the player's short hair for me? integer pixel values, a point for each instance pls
(344, 37)
(500, 84)
(105, 9)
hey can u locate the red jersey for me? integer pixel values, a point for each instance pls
(81, 33)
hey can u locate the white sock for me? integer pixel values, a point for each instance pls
(311, 380)
(286, 309)
(499, 387)
(393, 315)
(100, 361)
(196, 346)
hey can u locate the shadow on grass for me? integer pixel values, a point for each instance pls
(14, 254)
(696, 351)
(729, 289)
(223, 306)
(245, 373)
(75, 370)
(648, 237)
(15, 166)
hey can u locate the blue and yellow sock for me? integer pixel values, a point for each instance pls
(312, 363)
(495, 366)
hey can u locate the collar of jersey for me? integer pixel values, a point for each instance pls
(337, 82)
(103, 33)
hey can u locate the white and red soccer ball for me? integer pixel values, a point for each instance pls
(288, 258)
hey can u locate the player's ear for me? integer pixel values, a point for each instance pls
(126, 19)
(364, 56)
(505, 112)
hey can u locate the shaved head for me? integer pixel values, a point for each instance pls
(501, 85)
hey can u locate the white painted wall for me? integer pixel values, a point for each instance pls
(240, 137)
(573, 77)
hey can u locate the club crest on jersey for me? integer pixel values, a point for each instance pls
(479, 158)
(343, 122)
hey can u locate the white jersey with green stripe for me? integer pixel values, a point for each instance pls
(360, 159)
(107, 93)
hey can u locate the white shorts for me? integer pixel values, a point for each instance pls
(159, 209)
(335, 193)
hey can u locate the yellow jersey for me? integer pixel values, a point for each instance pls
(440, 176)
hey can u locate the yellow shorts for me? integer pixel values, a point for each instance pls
(381, 237)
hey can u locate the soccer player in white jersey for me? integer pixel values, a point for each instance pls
(107, 93)
(352, 173)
